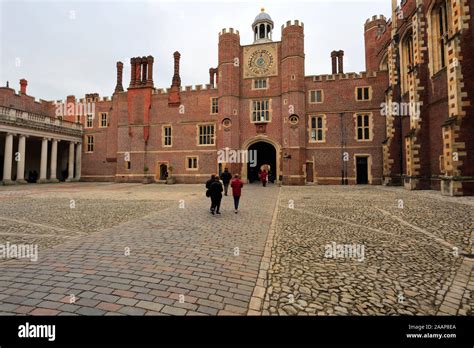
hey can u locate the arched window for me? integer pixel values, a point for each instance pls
(262, 31)
(407, 59)
(438, 32)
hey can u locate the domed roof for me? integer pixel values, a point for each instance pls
(263, 17)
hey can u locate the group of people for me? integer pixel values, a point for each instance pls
(215, 188)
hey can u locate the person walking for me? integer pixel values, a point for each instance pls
(236, 185)
(225, 177)
(215, 192)
(208, 186)
(264, 177)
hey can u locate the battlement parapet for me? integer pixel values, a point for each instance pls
(346, 76)
(290, 23)
(229, 31)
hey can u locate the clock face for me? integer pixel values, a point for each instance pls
(260, 62)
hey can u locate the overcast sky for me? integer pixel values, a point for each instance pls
(71, 47)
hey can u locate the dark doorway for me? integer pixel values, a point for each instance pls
(163, 171)
(362, 170)
(265, 155)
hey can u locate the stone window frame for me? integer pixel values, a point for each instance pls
(407, 58)
(86, 125)
(269, 110)
(435, 38)
(356, 94)
(186, 163)
(102, 120)
(323, 128)
(89, 143)
(198, 137)
(164, 136)
(214, 107)
(254, 81)
(370, 126)
(315, 94)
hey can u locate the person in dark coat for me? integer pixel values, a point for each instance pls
(226, 177)
(208, 186)
(215, 191)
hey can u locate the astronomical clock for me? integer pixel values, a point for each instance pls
(260, 61)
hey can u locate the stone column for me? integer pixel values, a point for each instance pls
(70, 176)
(78, 161)
(20, 169)
(54, 160)
(7, 160)
(44, 161)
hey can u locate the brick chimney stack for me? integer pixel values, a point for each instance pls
(23, 84)
(119, 86)
(174, 97)
(176, 77)
(334, 62)
(340, 58)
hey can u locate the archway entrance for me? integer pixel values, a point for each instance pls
(266, 158)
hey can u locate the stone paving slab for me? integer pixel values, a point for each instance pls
(409, 262)
(175, 261)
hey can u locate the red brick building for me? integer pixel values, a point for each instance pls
(325, 129)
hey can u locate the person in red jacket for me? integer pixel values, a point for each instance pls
(264, 177)
(236, 185)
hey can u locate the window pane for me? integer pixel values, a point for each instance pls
(359, 121)
(366, 133)
(359, 93)
(320, 134)
(320, 122)
(318, 96)
(313, 122)
(366, 93)
(366, 120)
(359, 133)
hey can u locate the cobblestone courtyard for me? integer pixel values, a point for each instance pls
(132, 249)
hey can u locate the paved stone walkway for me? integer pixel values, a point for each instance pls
(414, 253)
(132, 249)
(181, 260)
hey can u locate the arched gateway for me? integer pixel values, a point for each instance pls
(268, 152)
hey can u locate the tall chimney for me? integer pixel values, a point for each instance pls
(23, 84)
(340, 58)
(211, 76)
(133, 75)
(334, 62)
(149, 80)
(174, 96)
(119, 87)
(176, 77)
